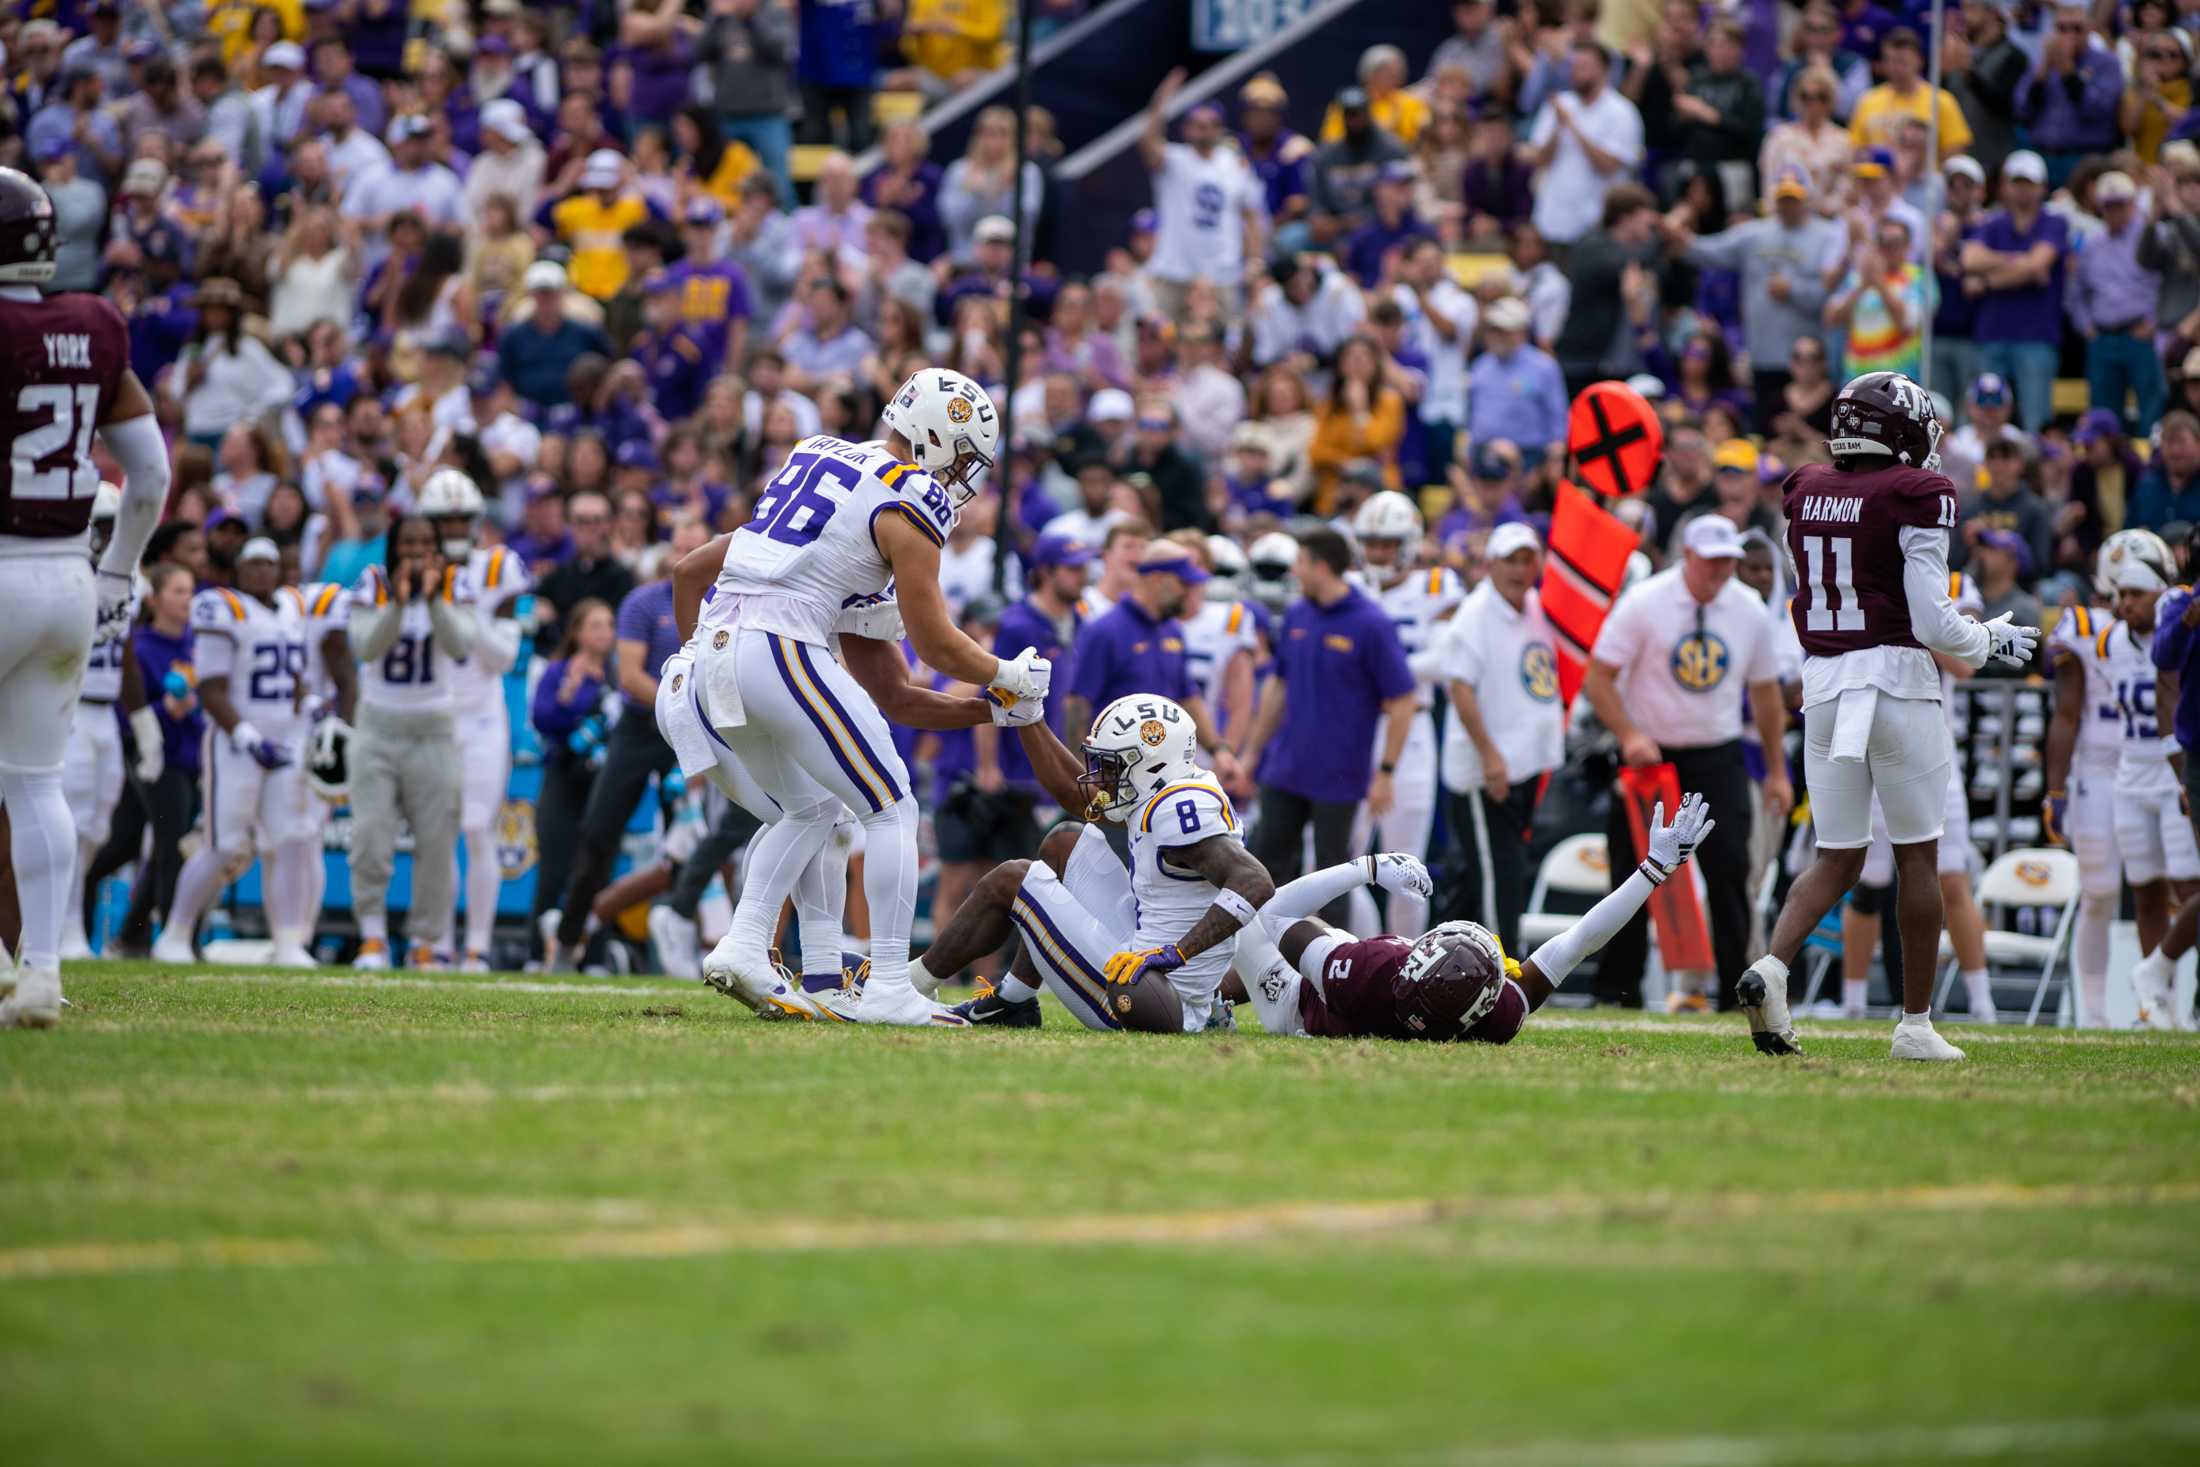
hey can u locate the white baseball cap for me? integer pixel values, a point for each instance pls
(287, 55)
(543, 275)
(2025, 164)
(1110, 405)
(259, 547)
(602, 169)
(1964, 165)
(1509, 313)
(1511, 538)
(1713, 537)
(506, 118)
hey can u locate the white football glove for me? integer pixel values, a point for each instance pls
(1028, 676)
(152, 753)
(2011, 642)
(1672, 845)
(1400, 874)
(1010, 711)
(117, 604)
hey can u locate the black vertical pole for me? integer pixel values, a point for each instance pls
(1019, 260)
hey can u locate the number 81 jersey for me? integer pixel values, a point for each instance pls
(811, 545)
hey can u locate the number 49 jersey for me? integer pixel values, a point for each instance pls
(811, 545)
(1845, 532)
(61, 366)
(1169, 900)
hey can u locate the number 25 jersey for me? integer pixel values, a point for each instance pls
(811, 546)
(1845, 532)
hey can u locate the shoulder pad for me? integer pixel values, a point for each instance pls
(217, 609)
(1154, 820)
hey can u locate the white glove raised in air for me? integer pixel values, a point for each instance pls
(1672, 845)
(1398, 873)
(1028, 676)
(2011, 642)
(1011, 712)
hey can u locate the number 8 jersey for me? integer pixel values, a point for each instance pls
(810, 547)
(1851, 534)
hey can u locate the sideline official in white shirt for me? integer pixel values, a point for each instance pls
(1666, 677)
(1499, 662)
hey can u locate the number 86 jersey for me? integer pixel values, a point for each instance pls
(811, 545)
(1851, 533)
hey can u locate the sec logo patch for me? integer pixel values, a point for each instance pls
(1539, 672)
(1700, 661)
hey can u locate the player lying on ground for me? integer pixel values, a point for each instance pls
(1303, 976)
(866, 641)
(1142, 949)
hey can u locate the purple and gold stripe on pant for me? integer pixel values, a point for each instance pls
(864, 768)
(1046, 940)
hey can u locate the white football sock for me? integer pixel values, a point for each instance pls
(1855, 994)
(773, 864)
(72, 916)
(1015, 990)
(1981, 989)
(195, 888)
(42, 843)
(287, 876)
(821, 901)
(2089, 950)
(890, 887)
(484, 877)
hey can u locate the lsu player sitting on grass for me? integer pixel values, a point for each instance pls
(866, 640)
(250, 646)
(837, 523)
(1144, 948)
(1303, 976)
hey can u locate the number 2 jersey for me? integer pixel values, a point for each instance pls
(262, 648)
(414, 675)
(1359, 998)
(1168, 900)
(1851, 534)
(811, 547)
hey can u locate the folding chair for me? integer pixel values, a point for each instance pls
(2030, 876)
(1579, 865)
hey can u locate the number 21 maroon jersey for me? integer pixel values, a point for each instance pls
(61, 365)
(1845, 532)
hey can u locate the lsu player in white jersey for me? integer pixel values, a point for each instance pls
(1144, 948)
(453, 503)
(1416, 599)
(250, 648)
(1860, 922)
(839, 522)
(2085, 740)
(410, 620)
(1222, 639)
(91, 770)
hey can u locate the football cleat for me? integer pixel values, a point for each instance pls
(673, 937)
(475, 962)
(901, 1004)
(290, 955)
(174, 946)
(766, 989)
(1678, 1002)
(374, 956)
(35, 1002)
(1762, 993)
(2154, 985)
(1921, 1041)
(75, 948)
(988, 1007)
(427, 959)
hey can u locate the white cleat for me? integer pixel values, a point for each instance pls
(1919, 1040)
(7, 971)
(35, 1002)
(374, 956)
(174, 947)
(75, 946)
(761, 986)
(1762, 992)
(2154, 985)
(475, 962)
(676, 942)
(291, 955)
(899, 1003)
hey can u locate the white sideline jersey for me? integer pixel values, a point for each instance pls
(261, 647)
(2082, 633)
(1169, 901)
(1416, 606)
(809, 548)
(1214, 636)
(2142, 763)
(495, 575)
(413, 676)
(103, 663)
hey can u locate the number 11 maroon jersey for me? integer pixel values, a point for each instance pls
(1845, 533)
(61, 366)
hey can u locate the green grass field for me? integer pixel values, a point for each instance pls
(248, 1217)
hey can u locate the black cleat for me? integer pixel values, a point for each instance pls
(990, 1008)
(1754, 995)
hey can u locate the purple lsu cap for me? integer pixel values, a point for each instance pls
(1990, 389)
(2097, 424)
(1054, 550)
(1143, 222)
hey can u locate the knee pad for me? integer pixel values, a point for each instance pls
(1868, 901)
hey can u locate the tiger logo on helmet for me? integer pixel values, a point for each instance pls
(1138, 745)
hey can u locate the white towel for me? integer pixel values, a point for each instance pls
(679, 718)
(1852, 725)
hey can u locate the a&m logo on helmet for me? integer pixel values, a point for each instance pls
(1152, 732)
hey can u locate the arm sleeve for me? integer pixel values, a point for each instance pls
(456, 625)
(138, 446)
(1302, 898)
(1933, 617)
(373, 629)
(1563, 953)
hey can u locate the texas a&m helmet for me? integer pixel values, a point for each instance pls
(26, 230)
(1451, 980)
(1883, 418)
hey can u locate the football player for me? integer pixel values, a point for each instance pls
(1143, 948)
(1303, 976)
(2084, 742)
(453, 503)
(91, 774)
(1869, 537)
(250, 648)
(838, 523)
(65, 376)
(1418, 600)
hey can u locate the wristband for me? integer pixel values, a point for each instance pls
(1235, 905)
(243, 737)
(1653, 871)
(1388, 767)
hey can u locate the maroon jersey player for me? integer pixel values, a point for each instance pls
(1869, 536)
(64, 375)
(1454, 982)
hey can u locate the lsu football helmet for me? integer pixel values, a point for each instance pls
(1138, 745)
